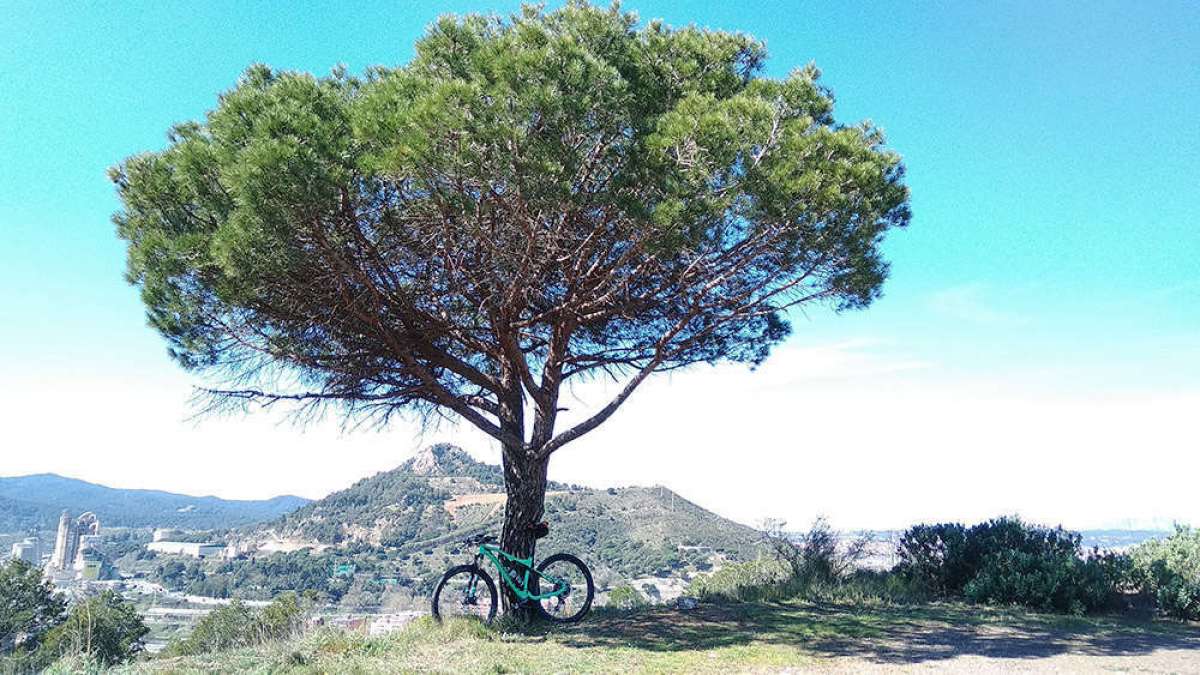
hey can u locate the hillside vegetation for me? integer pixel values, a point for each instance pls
(395, 533)
(443, 491)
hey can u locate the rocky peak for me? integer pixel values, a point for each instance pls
(442, 459)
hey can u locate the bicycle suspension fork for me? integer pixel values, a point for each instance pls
(474, 578)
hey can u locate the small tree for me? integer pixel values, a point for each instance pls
(535, 200)
(104, 628)
(28, 606)
(818, 556)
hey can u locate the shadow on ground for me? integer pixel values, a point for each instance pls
(881, 634)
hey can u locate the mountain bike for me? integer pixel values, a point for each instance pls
(560, 587)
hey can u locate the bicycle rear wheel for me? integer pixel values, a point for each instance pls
(465, 590)
(565, 572)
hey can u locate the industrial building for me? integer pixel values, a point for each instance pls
(29, 550)
(75, 538)
(195, 550)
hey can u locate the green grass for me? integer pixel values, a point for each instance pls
(737, 637)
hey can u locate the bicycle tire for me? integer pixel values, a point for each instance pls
(534, 584)
(455, 571)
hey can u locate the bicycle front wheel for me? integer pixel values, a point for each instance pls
(465, 590)
(566, 575)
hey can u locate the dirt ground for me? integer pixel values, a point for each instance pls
(928, 638)
(990, 649)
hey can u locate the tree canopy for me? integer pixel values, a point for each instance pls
(28, 606)
(531, 200)
(104, 627)
(527, 201)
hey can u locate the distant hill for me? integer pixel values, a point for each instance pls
(18, 515)
(36, 501)
(434, 500)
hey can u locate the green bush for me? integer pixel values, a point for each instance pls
(225, 627)
(815, 557)
(1008, 561)
(873, 586)
(769, 580)
(1169, 569)
(28, 607)
(105, 629)
(818, 564)
(1048, 581)
(765, 579)
(1001, 561)
(626, 596)
(934, 556)
(236, 625)
(947, 556)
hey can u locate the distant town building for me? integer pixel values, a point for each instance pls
(64, 543)
(193, 549)
(87, 542)
(74, 539)
(167, 534)
(387, 623)
(28, 549)
(89, 567)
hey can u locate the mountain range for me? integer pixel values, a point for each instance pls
(36, 501)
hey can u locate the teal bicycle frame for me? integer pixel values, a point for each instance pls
(494, 554)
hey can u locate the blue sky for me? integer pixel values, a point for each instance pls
(1052, 151)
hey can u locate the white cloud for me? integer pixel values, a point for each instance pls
(968, 302)
(843, 429)
(886, 447)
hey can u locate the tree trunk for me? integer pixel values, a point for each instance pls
(525, 482)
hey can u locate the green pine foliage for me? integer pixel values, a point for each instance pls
(29, 607)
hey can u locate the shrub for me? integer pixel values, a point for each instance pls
(764, 579)
(1169, 569)
(222, 628)
(236, 625)
(105, 629)
(934, 557)
(947, 556)
(625, 596)
(1008, 561)
(815, 557)
(1049, 582)
(817, 564)
(28, 606)
(875, 586)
